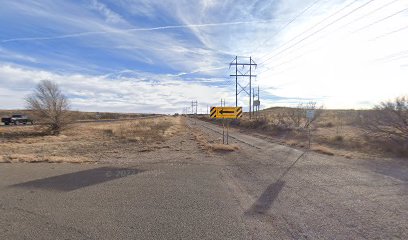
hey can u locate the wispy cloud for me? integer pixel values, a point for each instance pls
(10, 55)
(135, 92)
(182, 50)
(82, 34)
(110, 15)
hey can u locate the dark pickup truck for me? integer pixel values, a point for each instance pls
(16, 119)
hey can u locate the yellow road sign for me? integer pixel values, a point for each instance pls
(226, 112)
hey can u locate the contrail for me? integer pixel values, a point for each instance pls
(73, 35)
(197, 71)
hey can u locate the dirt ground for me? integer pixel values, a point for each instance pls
(91, 142)
(113, 141)
(334, 132)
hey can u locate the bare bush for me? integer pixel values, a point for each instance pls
(49, 106)
(297, 115)
(388, 121)
(281, 120)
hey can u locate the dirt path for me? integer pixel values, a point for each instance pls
(288, 193)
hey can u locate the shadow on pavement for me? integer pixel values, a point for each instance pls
(76, 180)
(267, 198)
(270, 194)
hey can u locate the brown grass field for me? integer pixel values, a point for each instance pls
(334, 132)
(77, 115)
(87, 142)
(211, 145)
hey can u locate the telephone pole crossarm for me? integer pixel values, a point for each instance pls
(243, 75)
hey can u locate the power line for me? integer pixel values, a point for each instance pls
(369, 25)
(389, 33)
(319, 30)
(354, 21)
(381, 20)
(394, 56)
(333, 22)
(367, 14)
(287, 24)
(314, 26)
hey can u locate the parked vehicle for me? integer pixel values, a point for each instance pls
(16, 119)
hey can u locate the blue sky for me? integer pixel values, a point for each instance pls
(159, 55)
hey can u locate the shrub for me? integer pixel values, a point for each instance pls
(49, 106)
(389, 122)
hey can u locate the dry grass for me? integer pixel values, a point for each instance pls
(86, 142)
(31, 158)
(76, 115)
(339, 132)
(217, 147)
(143, 130)
(205, 144)
(322, 150)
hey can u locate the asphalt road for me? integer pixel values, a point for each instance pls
(286, 193)
(262, 191)
(47, 201)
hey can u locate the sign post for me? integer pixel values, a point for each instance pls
(225, 113)
(223, 132)
(227, 130)
(310, 114)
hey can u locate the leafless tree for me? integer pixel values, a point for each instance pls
(49, 106)
(317, 112)
(298, 115)
(389, 120)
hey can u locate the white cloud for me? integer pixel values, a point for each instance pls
(109, 15)
(10, 55)
(143, 92)
(338, 65)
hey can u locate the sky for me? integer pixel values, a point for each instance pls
(156, 56)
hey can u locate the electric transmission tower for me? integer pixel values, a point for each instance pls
(222, 102)
(194, 105)
(239, 73)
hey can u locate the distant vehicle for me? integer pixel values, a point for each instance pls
(16, 119)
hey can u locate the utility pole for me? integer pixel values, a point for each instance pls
(194, 105)
(236, 81)
(259, 102)
(253, 105)
(256, 103)
(250, 86)
(237, 74)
